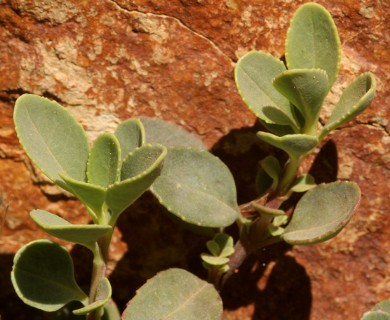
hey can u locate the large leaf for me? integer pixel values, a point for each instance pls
(322, 212)
(254, 73)
(169, 135)
(175, 294)
(139, 170)
(84, 234)
(103, 294)
(131, 135)
(103, 166)
(295, 145)
(305, 89)
(312, 41)
(356, 97)
(52, 138)
(43, 277)
(197, 187)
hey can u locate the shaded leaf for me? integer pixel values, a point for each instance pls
(213, 260)
(303, 183)
(296, 145)
(305, 89)
(312, 41)
(54, 225)
(175, 294)
(198, 188)
(322, 212)
(273, 169)
(139, 170)
(104, 161)
(131, 135)
(42, 276)
(51, 137)
(158, 131)
(356, 97)
(103, 294)
(254, 73)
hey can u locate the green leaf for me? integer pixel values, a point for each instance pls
(383, 306)
(312, 41)
(296, 145)
(83, 234)
(356, 97)
(267, 210)
(139, 170)
(158, 131)
(198, 188)
(42, 276)
(131, 135)
(104, 161)
(52, 138)
(303, 183)
(91, 195)
(306, 89)
(214, 261)
(254, 73)
(103, 294)
(273, 169)
(376, 315)
(322, 212)
(175, 294)
(263, 182)
(225, 243)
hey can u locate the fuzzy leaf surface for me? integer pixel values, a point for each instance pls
(104, 161)
(197, 187)
(322, 212)
(312, 41)
(175, 294)
(131, 135)
(43, 276)
(139, 171)
(254, 73)
(56, 226)
(158, 131)
(356, 97)
(51, 137)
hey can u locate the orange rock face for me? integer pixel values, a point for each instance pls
(174, 59)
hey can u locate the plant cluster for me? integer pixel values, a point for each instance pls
(195, 186)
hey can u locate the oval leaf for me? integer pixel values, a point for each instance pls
(198, 188)
(131, 135)
(104, 161)
(175, 294)
(322, 212)
(52, 138)
(356, 97)
(306, 89)
(139, 171)
(158, 131)
(83, 234)
(296, 145)
(103, 294)
(312, 41)
(43, 277)
(254, 73)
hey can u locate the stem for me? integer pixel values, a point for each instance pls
(289, 175)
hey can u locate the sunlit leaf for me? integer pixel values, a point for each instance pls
(131, 135)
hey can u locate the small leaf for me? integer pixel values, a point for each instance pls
(175, 294)
(263, 182)
(91, 195)
(303, 183)
(43, 277)
(312, 41)
(225, 243)
(158, 131)
(83, 234)
(254, 73)
(213, 248)
(273, 169)
(139, 170)
(322, 212)
(131, 135)
(104, 161)
(103, 294)
(214, 261)
(296, 145)
(306, 89)
(267, 210)
(198, 188)
(356, 97)
(52, 138)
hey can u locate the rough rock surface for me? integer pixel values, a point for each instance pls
(110, 60)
